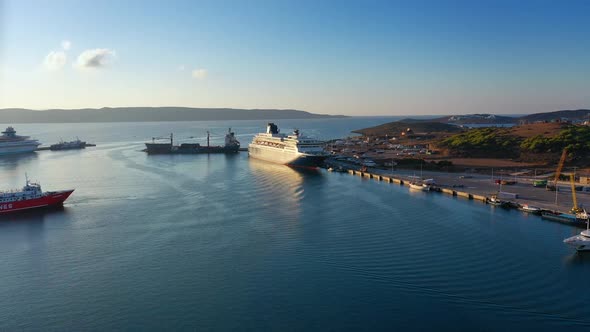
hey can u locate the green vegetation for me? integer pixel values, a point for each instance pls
(483, 142)
(575, 138)
(501, 142)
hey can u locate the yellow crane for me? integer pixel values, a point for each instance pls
(558, 171)
(575, 208)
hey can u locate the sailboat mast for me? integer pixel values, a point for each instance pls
(207, 138)
(421, 169)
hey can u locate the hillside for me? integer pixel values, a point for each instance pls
(539, 141)
(482, 119)
(581, 114)
(395, 128)
(148, 114)
(468, 119)
(478, 119)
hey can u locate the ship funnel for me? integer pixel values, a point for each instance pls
(272, 128)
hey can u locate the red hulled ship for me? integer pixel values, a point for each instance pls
(31, 197)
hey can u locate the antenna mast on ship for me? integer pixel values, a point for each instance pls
(171, 139)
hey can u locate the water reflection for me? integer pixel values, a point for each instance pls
(282, 185)
(13, 161)
(577, 258)
(31, 217)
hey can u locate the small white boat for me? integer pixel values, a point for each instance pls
(581, 242)
(529, 209)
(494, 200)
(419, 186)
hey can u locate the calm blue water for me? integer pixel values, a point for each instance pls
(223, 242)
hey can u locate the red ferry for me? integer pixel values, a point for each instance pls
(31, 197)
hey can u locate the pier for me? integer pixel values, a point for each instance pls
(480, 187)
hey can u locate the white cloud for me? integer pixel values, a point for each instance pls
(181, 68)
(55, 60)
(66, 44)
(200, 74)
(96, 58)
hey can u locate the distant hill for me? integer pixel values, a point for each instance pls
(395, 128)
(572, 115)
(581, 114)
(478, 119)
(149, 114)
(468, 119)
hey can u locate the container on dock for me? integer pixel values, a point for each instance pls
(505, 195)
(539, 183)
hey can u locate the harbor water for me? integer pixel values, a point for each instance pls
(223, 242)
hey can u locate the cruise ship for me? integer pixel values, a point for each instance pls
(293, 150)
(11, 143)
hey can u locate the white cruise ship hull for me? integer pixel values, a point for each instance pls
(17, 148)
(285, 157)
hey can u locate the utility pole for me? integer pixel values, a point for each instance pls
(515, 172)
(392, 166)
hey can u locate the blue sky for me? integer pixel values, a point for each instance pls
(336, 57)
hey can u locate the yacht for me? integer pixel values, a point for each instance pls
(11, 143)
(580, 242)
(294, 150)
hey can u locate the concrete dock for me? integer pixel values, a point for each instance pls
(479, 187)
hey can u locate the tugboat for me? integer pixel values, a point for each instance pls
(232, 145)
(30, 197)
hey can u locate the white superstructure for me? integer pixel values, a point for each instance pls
(581, 242)
(11, 143)
(293, 150)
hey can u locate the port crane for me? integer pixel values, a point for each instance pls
(553, 187)
(575, 208)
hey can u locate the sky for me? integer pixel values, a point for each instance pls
(330, 57)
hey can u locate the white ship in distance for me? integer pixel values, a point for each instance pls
(11, 143)
(294, 150)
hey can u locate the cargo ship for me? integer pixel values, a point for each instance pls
(294, 150)
(575, 219)
(77, 144)
(11, 143)
(232, 145)
(31, 197)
